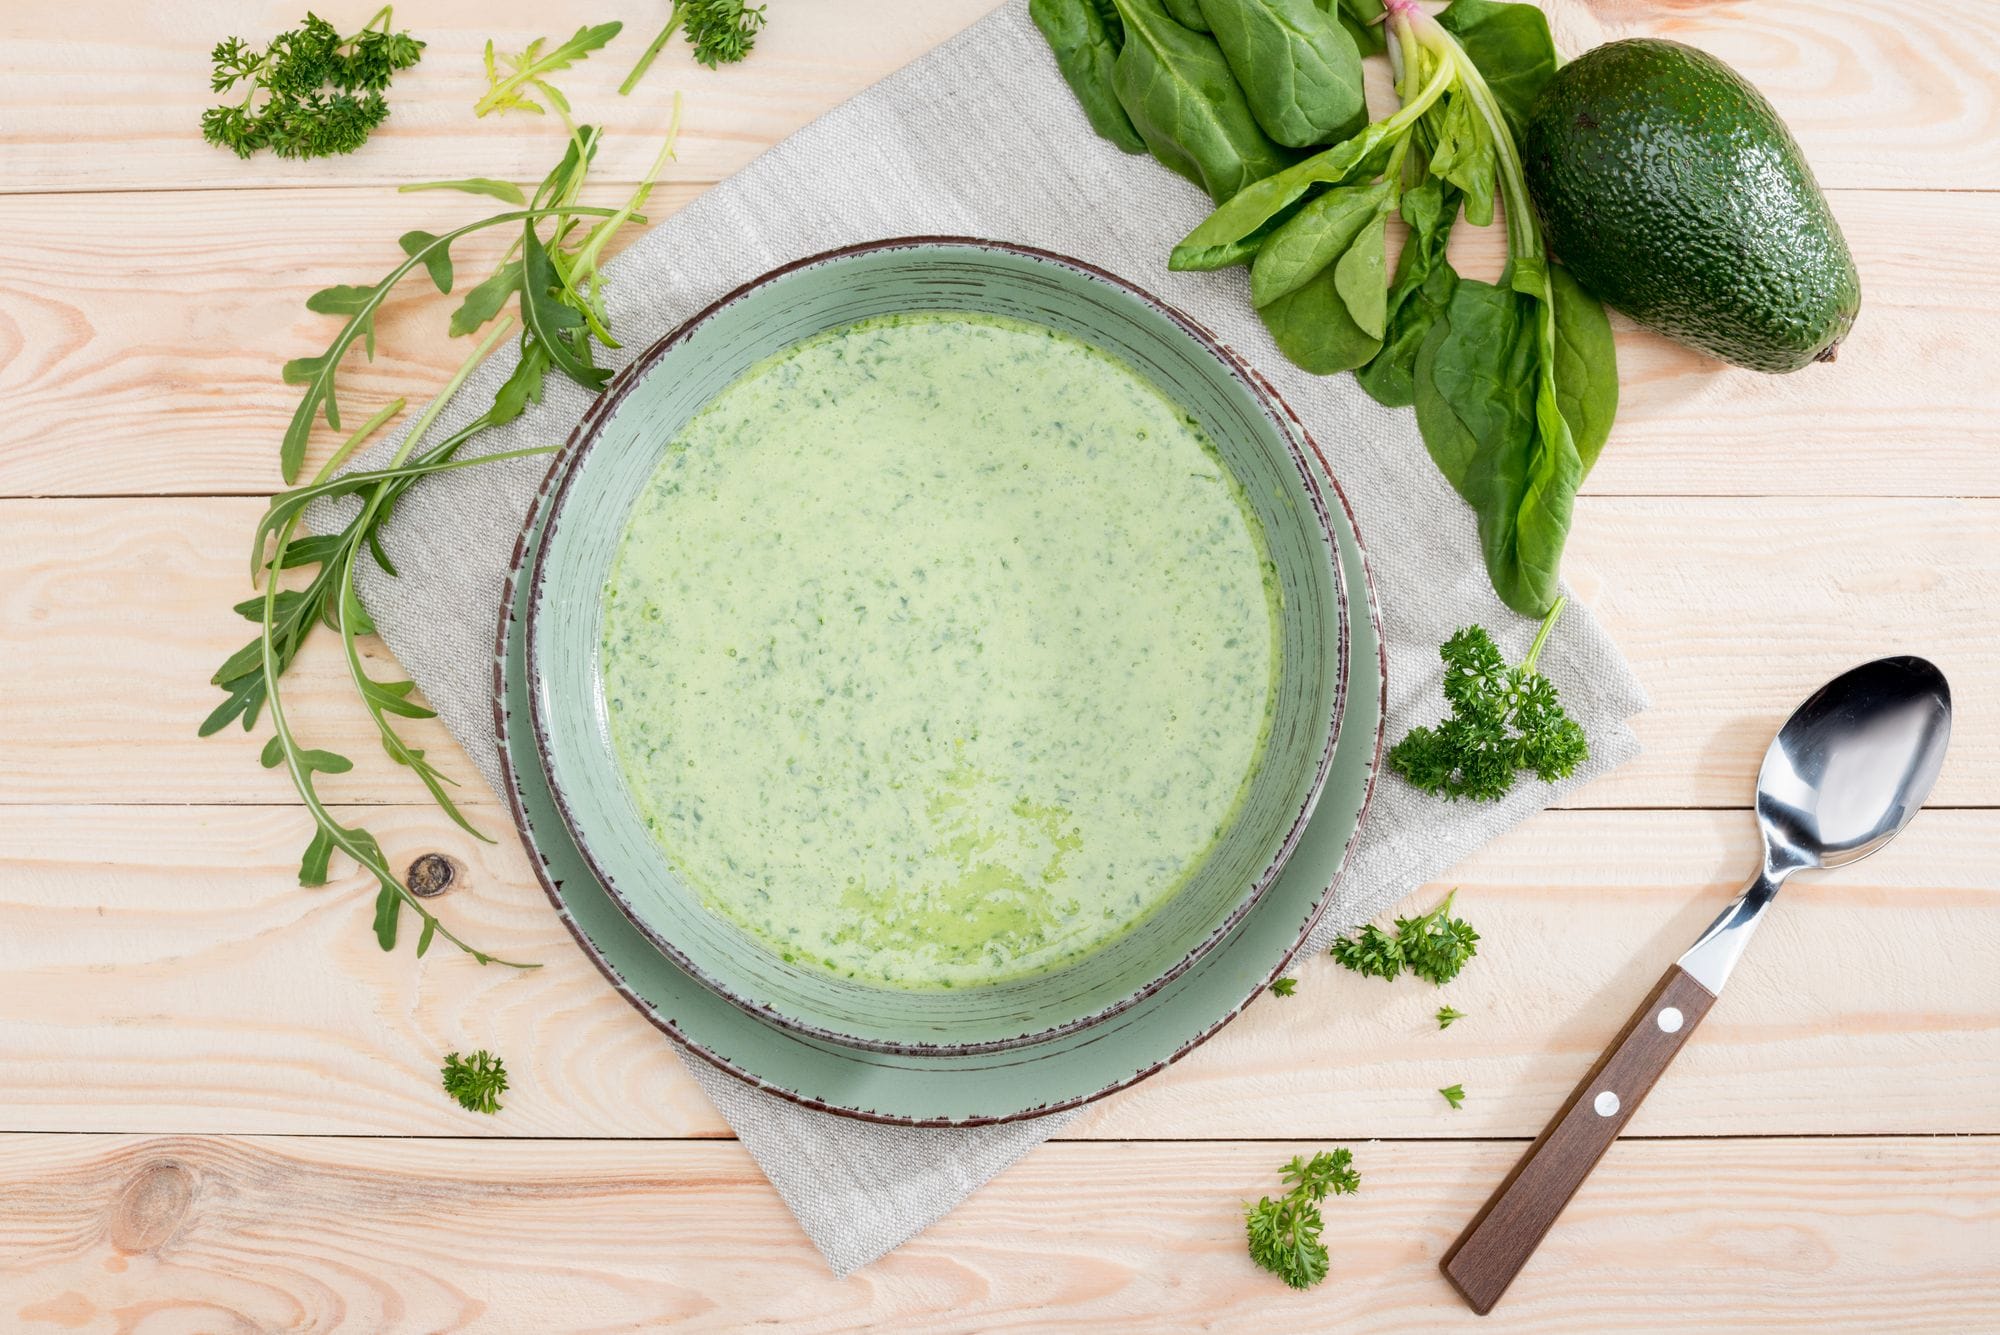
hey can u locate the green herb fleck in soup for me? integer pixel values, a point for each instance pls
(939, 650)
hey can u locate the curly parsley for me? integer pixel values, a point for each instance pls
(1284, 1234)
(1434, 946)
(720, 32)
(477, 1082)
(312, 93)
(1503, 720)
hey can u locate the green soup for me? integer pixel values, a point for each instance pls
(939, 650)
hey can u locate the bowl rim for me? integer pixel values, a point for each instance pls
(588, 433)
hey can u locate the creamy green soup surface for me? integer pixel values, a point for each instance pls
(939, 650)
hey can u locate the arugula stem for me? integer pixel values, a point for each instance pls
(319, 372)
(337, 834)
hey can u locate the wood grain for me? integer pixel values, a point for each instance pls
(182, 1233)
(165, 973)
(160, 972)
(109, 99)
(174, 333)
(1730, 610)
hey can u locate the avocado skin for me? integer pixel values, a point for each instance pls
(1672, 191)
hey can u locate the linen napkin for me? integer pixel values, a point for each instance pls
(981, 138)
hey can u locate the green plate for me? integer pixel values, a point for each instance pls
(615, 460)
(956, 1089)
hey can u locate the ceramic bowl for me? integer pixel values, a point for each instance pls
(615, 454)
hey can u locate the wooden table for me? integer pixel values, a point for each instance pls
(220, 1100)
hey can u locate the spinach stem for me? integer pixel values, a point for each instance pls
(1542, 635)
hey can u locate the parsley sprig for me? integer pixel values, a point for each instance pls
(1284, 1234)
(1503, 720)
(311, 92)
(721, 32)
(477, 1082)
(1434, 946)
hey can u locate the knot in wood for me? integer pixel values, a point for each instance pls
(151, 1208)
(432, 874)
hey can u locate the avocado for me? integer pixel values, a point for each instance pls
(1673, 192)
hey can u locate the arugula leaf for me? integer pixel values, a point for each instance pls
(1086, 50)
(527, 71)
(505, 191)
(1298, 67)
(476, 1082)
(1175, 85)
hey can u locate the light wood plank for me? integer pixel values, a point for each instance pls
(307, 1234)
(1730, 610)
(110, 98)
(173, 336)
(164, 973)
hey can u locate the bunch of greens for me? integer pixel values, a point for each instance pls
(477, 1082)
(552, 275)
(1514, 382)
(311, 92)
(1434, 946)
(721, 32)
(1503, 720)
(1284, 1234)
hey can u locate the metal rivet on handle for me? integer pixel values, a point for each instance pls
(1670, 1020)
(1606, 1104)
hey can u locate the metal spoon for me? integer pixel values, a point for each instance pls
(1842, 778)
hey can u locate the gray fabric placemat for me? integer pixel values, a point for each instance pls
(981, 138)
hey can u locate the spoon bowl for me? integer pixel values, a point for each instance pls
(1853, 764)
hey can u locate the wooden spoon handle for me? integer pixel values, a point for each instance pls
(1505, 1233)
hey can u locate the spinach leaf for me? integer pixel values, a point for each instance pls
(1586, 365)
(1424, 282)
(1085, 50)
(1360, 275)
(1313, 238)
(1486, 402)
(1312, 327)
(1232, 233)
(1363, 21)
(1187, 13)
(1177, 88)
(1462, 153)
(1298, 68)
(1511, 46)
